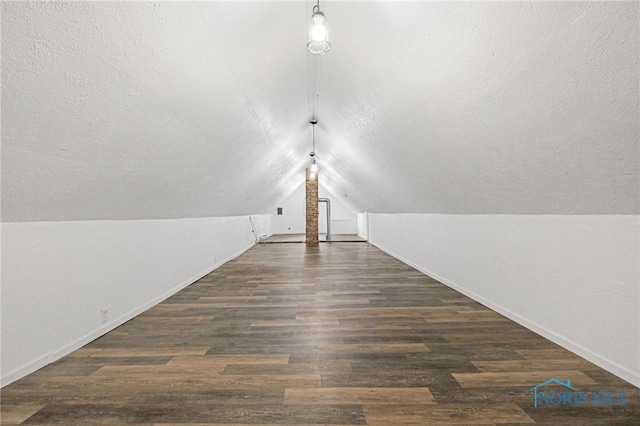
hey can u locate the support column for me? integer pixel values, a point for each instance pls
(312, 206)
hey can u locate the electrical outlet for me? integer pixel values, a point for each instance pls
(104, 315)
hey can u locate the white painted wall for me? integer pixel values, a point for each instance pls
(292, 220)
(363, 225)
(343, 219)
(57, 276)
(572, 279)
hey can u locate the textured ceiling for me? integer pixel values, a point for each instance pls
(139, 110)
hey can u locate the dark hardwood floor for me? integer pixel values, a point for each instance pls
(331, 334)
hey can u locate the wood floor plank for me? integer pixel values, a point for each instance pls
(450, 414)
(322, 367)
(148, 379)
(532, 365)
(18, 413)
(143, 352)
(333, 334)
(229, 359)
(519, 378)
(379, 312)
(246, 424)
(295, 323)
(374, 348)
(359, 396)
(546, 353)
(90, 414)
(508, 337)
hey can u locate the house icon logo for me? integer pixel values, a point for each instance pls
(552, 380)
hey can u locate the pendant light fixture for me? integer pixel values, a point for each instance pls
(318, 33)
(314, 167)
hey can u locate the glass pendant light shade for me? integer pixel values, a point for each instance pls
(318, 34)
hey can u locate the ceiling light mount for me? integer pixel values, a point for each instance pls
(318, 33)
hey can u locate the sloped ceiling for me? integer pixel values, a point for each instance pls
(139, 110)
